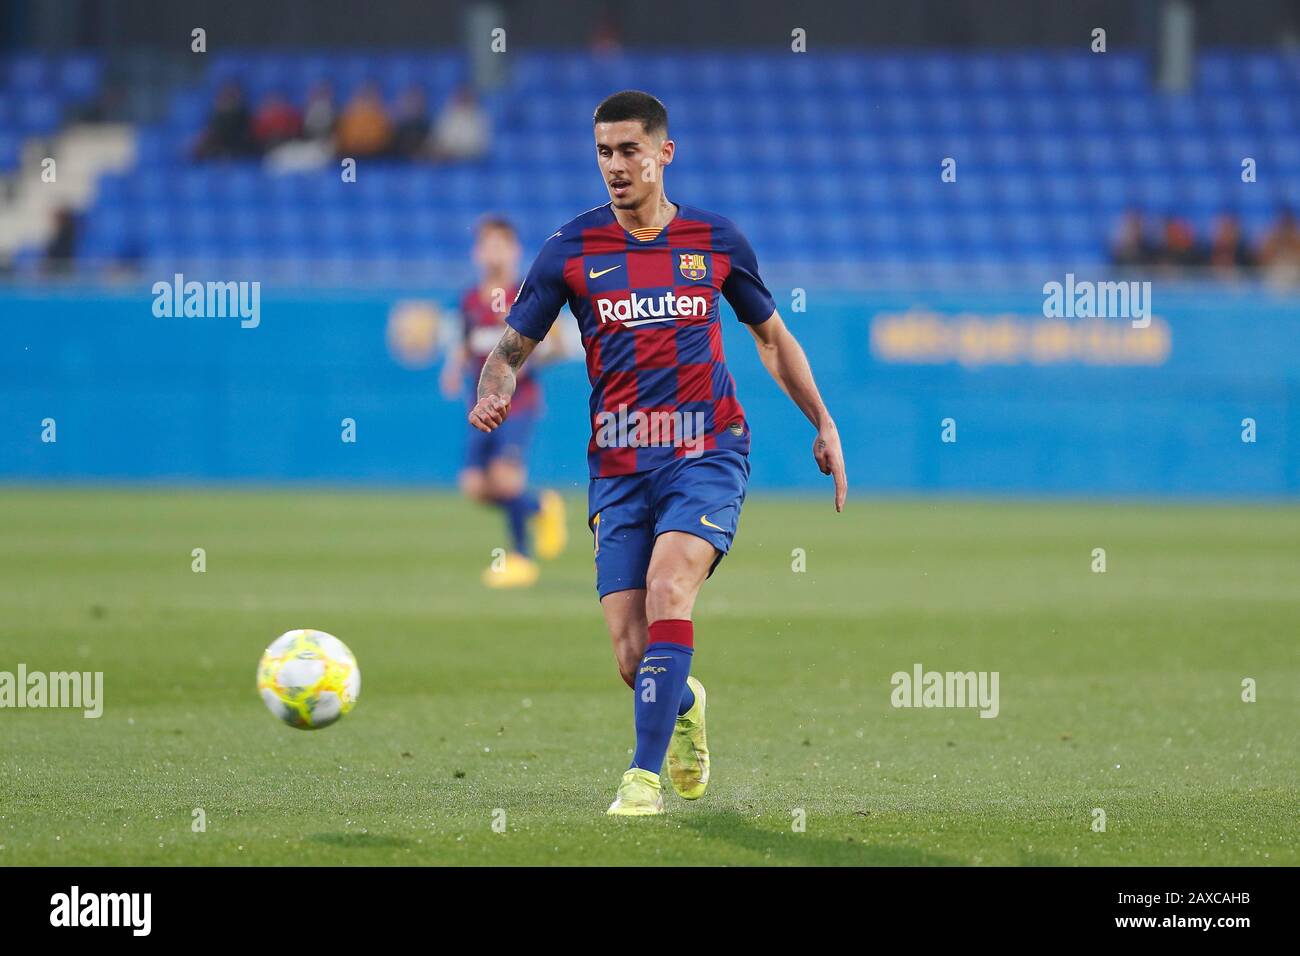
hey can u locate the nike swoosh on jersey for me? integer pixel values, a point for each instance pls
(593, 274)
(704, 520)
(635, 322)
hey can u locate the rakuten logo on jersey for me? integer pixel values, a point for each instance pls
(640, 310)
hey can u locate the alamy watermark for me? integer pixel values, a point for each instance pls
(1085, 299)
(208, 300)
(130, 910)
(650, 429)
(76, 690)
(922, 688)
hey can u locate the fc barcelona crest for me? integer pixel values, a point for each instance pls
(692, 265)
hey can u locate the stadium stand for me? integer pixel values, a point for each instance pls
(38, 94)
(831, 163)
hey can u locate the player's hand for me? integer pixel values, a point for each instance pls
(489, 412)
(830, 459)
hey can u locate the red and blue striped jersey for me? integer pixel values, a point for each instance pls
(482, 330)
(647, 305)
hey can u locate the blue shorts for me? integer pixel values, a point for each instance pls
(626, 513)
(509, 440)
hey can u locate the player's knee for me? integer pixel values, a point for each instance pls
(505, 480)
(629, 644)
(627, 670)
(473, 485)
(667, 596)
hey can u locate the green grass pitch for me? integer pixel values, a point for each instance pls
(1119, 690)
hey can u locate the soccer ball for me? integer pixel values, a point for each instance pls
(308, 679)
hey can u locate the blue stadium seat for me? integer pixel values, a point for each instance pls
(39, 113)
(1126, 73)
(1277, 116)
(984, 74)
(1017, 192)
(11, 146)
(1264, 74)
(29, 73)
(1032, 72)
(1217, 73)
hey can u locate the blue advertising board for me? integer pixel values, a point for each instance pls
(932, 391)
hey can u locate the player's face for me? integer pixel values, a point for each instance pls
(631, 161)
(496, 252)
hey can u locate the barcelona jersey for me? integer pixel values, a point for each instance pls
(648, 304)
(482, 330)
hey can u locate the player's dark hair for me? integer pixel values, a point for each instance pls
(633, 105)
(490, 222)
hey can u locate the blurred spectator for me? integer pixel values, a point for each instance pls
(320, 115)
(1131, 247)
(62, 248)
(316, 147)
(1179, 246)
(606, 41)
(462, 130)
(364, 129)
(411, 139)
(228, 134)
(1229, 251)
(277, 122)
(1279, 254)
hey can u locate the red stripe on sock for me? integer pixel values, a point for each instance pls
(673, 632)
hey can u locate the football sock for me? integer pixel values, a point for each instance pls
(518, 510)
(660, 681)
(688, 700)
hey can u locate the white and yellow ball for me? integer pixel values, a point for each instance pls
(309, 679)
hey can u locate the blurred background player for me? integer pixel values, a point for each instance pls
(496, 463)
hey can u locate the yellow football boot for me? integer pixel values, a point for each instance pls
(516, 571)
(639, 795)
(550, 531)
(688, 749)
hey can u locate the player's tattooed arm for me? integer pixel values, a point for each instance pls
(496, 384)
(786, 362)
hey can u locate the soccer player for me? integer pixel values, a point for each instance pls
(495, 469)
(668, 455)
